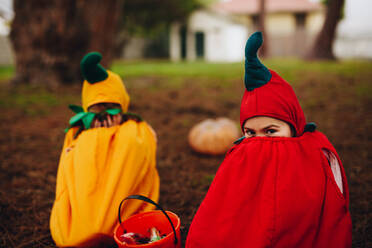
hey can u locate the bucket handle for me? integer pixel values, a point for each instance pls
(148, 200)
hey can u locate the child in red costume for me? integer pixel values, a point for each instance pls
(282, 184)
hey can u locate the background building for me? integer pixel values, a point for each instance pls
(6, 15)
(219, 32)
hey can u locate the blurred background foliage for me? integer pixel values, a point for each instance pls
(151, 19)
(50, 37)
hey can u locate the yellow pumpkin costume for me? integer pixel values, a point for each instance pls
(100, 167)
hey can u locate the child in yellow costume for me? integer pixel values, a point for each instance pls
(106, 156)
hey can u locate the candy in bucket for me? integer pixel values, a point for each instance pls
(156, 228)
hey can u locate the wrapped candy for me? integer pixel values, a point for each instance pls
(132, 238)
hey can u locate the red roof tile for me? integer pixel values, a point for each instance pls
(252, 6)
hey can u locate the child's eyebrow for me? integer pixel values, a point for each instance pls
(272, 125)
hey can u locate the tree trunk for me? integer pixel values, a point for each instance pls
(261, 23)
(103, 18)
(50, 37)
(323, 46)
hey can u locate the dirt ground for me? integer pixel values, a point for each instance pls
(30, 145)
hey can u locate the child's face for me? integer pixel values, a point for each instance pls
(106, 120)
(100, 107)
(262, 126)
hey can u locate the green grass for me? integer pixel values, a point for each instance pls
(35, 101)
(6, 72)
(203, 69)
(31, 101)
(180, 74)
(289, 68)
(179, 69)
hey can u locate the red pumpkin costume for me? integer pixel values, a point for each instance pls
(275, 192)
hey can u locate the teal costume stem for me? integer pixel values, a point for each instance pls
(256, 74)
(92, 71)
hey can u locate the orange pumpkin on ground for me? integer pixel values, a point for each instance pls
(213, 136)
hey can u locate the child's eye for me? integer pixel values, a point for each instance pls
(271, 131)
(250, 133)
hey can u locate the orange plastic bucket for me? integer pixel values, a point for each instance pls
(166, 222)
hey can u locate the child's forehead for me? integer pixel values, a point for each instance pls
(103, 106)
(263, 120)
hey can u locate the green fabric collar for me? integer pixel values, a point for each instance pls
(85, 119)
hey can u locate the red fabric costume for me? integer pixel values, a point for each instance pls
(274, 192)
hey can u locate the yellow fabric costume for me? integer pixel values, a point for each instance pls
(99, 168)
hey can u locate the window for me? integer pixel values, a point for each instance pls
(300, 20)
(199, 44)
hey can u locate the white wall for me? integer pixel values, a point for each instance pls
(314, 22)
(280, 24)
(224, 38)
(235, 39)
(175, 42)
(6, 54)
